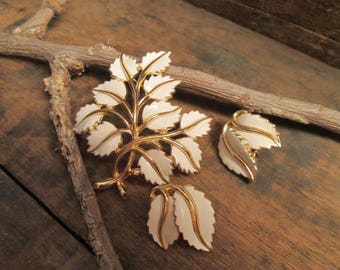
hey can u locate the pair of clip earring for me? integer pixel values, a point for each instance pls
(151, 137)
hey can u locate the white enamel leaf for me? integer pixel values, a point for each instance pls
(129, 63)
(237, 157)
(184, 157)
(162, 163)
(159, 87)
(161, 115)
(110, 92)
(258, 131)
(161, 221)
(104, 139)
(155, 62)
(202, 237)
(84, 123)
(196, 124)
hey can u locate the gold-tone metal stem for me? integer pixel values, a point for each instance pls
(147, 139)
(116, 132)
(241, 127)
(162, 220)
(148, 120)
(193, 213)
(134, 97)
(105, 112)
(118, 99)
(147, 96)
(118, 178)
(151, 161)
(136, 109)
(183, 150)
(109, 182)
(233, 153)
(122, 189)
(146, 69)
(190, 202)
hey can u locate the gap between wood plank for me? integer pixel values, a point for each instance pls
(46, 209)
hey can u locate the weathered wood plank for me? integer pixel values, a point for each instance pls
(31, 239)
(316, 15)
(288, 219)
(316, 33)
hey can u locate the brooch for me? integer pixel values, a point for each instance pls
(133, 121)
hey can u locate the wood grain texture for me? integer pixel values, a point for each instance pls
(288, 220)
(31, 239)
(309, 26)
(319, 16)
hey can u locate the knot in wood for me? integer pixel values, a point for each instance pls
(65, 62)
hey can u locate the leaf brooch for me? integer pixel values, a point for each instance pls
(133, 119)
(240, 140)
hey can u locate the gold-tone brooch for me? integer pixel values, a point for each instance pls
(241, 139)
(149, 136)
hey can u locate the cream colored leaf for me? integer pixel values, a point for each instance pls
(157, 169)
(104, 139)
(198, 232)
(235, 153)
(123, 67)
(161, 221)
(155, 62)
(110, 93)
(161, 115)
(188, 157)
(159, 87)
(196, 124)
(257, 130)
(85, 122)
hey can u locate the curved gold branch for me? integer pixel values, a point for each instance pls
(148, 95)
(183, 149)
(151, 161)
(164, 213)
(113, 133)
(156, 144)
(118, 99)
(234, 154)
(190, 202)
(104, 112)
(151, 118)
(146, 69)
(118, 178)
(241, 127)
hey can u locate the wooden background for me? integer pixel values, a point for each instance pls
(289, 219)
(311, 26)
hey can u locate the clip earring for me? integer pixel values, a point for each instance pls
(240, 140)
(133, 119)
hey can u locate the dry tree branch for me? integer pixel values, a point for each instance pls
(37, 25)
(194, 81)
(57, 85)
(299, 111)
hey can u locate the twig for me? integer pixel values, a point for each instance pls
(37, 25)
(194, 81)
(299, 111)
(57, 85)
